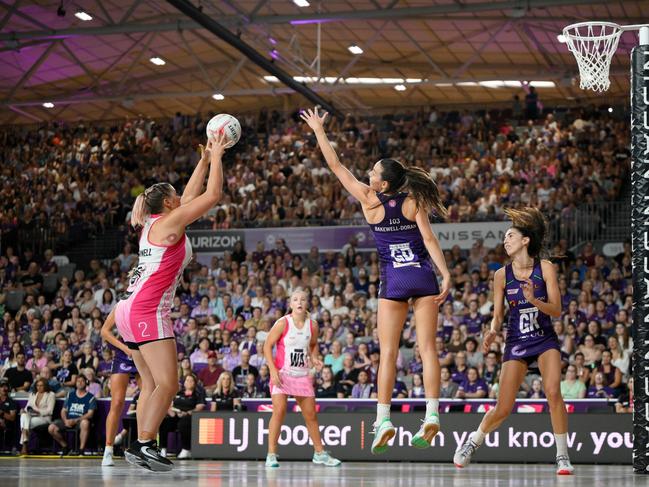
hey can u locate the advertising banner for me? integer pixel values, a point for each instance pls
(301, 239)
(215, 240)
(592, 438)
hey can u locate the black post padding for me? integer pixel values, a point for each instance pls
(640, 240)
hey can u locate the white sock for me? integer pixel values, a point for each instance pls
(143, 441)
(382, 412)
(432, 406)
(562, 443)
(108, 449)
(477, 436)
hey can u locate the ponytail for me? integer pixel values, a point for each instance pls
(415, 181)
(150, 202)
(139, 213)
(533, 225)
(423, 189)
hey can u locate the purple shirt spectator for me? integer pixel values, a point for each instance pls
(473, 387)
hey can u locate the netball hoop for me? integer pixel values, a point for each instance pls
(593, 44)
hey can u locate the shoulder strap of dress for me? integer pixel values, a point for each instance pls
(509, 274)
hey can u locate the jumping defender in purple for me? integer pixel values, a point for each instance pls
(396, 204)
(531, 289)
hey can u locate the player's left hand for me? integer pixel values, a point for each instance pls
(313, 119)
(443, 293)
(317, 363)
(206, 152)
(528, 290)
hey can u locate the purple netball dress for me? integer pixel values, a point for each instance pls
(406, 268)
(529, 332)
(122, 363)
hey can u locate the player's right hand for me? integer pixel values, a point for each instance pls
(218, 145)
(489, 337)
(313, 118)
(275, 379)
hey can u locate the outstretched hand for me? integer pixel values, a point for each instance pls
(218, 145)
(206, 151)
(313, 119)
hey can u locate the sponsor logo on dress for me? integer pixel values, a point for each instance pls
(517, 352)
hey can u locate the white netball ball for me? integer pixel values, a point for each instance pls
(227, 124)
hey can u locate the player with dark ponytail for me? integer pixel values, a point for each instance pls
(416, 182)
(397, 203)
(530, 286)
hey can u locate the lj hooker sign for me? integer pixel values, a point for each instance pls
(593, 438)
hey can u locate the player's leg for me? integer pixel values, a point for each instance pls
(550, 366)
(426, 311)
(390, 319)
(118, 385)
(512, 375)
(308, 408)
(158, 359)
(280, 402)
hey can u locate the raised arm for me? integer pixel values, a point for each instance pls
(195, 183)
(435, 251)
(172, 226)
(362, 192)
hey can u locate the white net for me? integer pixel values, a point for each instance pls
(593, 44)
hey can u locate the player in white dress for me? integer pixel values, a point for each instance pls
(296, 337)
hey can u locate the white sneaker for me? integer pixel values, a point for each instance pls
(564, 467)
(271, 460)
(462, 457)
(184, 454)
(163, 452)
(324, 458)
(118, 439)
(108, 459)
(383, 433)
(427, 431)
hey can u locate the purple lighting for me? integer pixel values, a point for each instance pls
(311, 21)
(274, 54)
(272, 41)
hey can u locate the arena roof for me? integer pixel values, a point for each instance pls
(443, 52)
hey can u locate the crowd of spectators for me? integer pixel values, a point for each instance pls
(223, 311)
(63, 182)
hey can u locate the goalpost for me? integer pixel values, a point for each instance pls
(593, 44)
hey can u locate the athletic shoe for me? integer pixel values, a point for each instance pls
(108, 459)
(271, 460)
(383, 433)
(184, 454)
(463, 454)
(564, 467)
(429, 428)
(146, 455)
(118, 439)
(324, 458)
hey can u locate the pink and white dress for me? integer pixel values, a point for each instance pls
(292, 360)
(144, 316)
